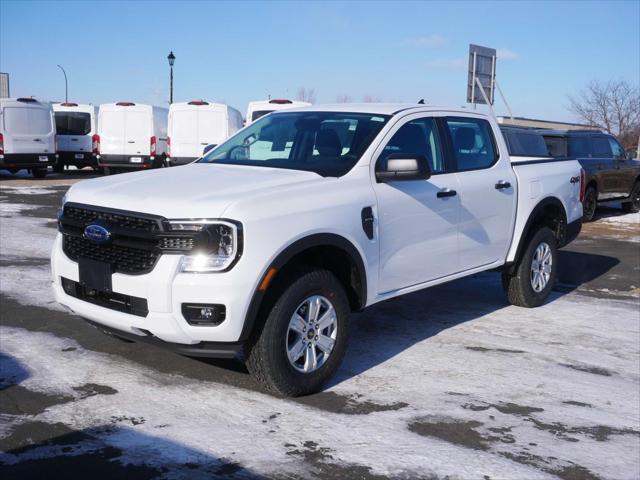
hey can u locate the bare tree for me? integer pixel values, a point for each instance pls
(344, 98)
(370, 99)
(614, 106)
(306, 95)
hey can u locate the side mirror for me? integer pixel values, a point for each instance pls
(208, 147)
(400, 166)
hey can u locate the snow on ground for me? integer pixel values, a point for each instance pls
(447, 382)
(630, 219)
(28, 190)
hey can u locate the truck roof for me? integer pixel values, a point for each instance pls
(378, 108)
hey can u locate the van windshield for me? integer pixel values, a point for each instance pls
(327, 143)
(259, 113)
(73, 123)
(27, 121)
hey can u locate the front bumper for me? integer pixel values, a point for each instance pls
(165, 290)
(27, 160)
(125, 161)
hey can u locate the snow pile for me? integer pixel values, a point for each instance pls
(628, 220)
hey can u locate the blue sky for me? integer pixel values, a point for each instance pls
(242, 51)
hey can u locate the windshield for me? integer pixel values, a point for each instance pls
(327, 143)
(73, 123)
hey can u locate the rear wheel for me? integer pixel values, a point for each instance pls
(633, 206)
(304, 336)
(535, 273)
(39, 172)
(589, 204)
(59, 167)
(107, 170)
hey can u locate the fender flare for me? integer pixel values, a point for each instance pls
(300, 245)
(530, 221)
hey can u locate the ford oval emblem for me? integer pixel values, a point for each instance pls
(97, 233)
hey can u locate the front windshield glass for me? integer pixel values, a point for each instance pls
(327, 143)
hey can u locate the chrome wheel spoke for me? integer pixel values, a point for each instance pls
(296, 351)
(298, 324)
(310, 360)
(541, 267)
(327, 319)
(314, 309)
(325, 344)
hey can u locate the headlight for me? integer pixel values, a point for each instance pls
(218, 245)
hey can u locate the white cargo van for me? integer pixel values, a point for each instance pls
(27, 136)
(262, 107)
(76, 127)
(131, 136)
(197, 124)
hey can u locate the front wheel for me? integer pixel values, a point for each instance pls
(633, 205)
(304, 336)
(535, 273)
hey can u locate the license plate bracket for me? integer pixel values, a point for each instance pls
(135, 159)
(79, 156)
(95, 275)
(43, 158)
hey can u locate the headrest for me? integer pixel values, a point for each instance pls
(465, 138)
(328, 143)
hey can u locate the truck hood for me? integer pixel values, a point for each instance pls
(192, 191)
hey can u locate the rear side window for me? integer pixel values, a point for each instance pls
(473, 144)
(616, 148)
(557, 146)
(579, 147)
(259, 113)
(600, 147)
(27, 121)
(526, 144)
(417, 137)
(73, 123)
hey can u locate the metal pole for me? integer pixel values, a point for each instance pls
(493, 78)
(66, 90)
(484, 95)
(504, 100)
(171, 87)
(473, 85)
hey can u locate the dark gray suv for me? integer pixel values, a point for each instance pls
(612, 176)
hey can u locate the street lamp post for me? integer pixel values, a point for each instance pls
(172, 59)
(66, 90)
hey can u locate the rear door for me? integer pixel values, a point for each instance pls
(111, 125)
(626, 172)
(487, 192)
(137, 125)
(212, 127)
(28, 129)
(184, 134)
(608, 169)
(73, 129)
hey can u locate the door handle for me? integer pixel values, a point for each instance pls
(131, 141)
(502, 185)
(446, 192)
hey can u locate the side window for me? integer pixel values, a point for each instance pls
(616, 148)
(579, 147)
(417, 137)
(473, 145)
(600, 147)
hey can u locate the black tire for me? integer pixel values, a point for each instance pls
(39, 172)
(633, 206)
(59, 167)
(589, 204)
(266, 356)
(517, 284)
(107, 170)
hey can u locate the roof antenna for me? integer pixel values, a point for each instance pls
(421, 102)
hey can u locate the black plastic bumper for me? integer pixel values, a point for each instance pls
(202, 349)
(124, 161)
(27, 160)
(175, 161)
(69, 158)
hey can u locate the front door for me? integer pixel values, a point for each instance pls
(418, 219)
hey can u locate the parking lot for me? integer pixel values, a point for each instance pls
(450, 382)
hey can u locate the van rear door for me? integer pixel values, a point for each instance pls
(185, 134)
(111, 124)
(212, 128)
(137, 125)
(29, 129)
(73, 130)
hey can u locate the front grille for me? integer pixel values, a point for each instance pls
(125, 222)
(176, 243)
(123, 259)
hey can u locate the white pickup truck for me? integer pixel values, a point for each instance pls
(269, 242)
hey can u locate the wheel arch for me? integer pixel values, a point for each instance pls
(328, 250)
(548, 212)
